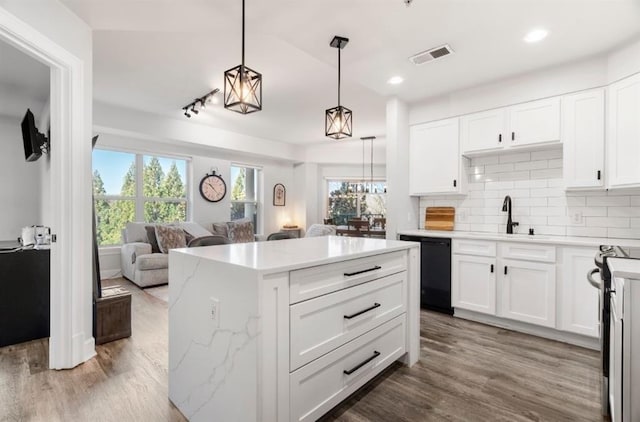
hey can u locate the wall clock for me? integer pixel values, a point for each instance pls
(212, 187)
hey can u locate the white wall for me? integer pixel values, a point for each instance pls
(624, 61)
(157, 128)
(402, 209)
(19, 182)
(540, 84)
(346, 152)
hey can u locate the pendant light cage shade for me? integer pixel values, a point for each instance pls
(242, 90)
(338, 123)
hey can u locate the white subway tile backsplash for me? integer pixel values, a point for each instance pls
(514, 175)
(576, 201)
(515, 158)
(541, 183)
(534, 182)
(480, 161)
(546, 154)
(624, 211)
(546, 173)
(624, 233)
(555, 164)
(548, 211)
(607, 222)
(532, 165)
(498, 168)
(587, 231)
(608, 201)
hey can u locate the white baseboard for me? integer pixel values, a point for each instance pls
(523, 327)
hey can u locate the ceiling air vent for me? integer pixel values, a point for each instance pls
(434, 53)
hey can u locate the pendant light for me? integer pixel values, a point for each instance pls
(242, 85)
(338, 120)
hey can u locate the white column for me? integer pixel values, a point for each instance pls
(402, 210)
(306, 186)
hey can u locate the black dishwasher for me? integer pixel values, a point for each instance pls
(435, 272)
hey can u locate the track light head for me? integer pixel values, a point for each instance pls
(193, 109)
(186, 112)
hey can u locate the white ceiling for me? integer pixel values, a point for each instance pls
(157, 55)
(24, 83)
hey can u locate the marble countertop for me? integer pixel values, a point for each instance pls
(290, 254)
(543, 239)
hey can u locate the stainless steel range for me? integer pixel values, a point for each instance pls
(600, 278)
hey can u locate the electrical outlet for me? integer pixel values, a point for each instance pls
(576, 218)
(462, 216)
(215, 311)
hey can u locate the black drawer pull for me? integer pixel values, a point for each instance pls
(599, 175)
(360, 365)
(491, 267)
(377, 267)
(513, 136)
(505, 270)
(375, 305)
(500, 137)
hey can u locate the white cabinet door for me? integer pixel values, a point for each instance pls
(536, 122)
(434, 158)
(528, 292)
(473, 283)
(481, 132)
(583, 139)
(578, 305)
(623, 138)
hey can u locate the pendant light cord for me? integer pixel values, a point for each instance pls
(364, 181)
(243, 35)
(338, 74)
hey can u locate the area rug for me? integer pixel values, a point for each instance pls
(160, 292)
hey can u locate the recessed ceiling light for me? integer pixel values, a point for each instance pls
(395, 80)
(536, 35)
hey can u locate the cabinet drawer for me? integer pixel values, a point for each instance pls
(316, 281)
(322, 324)
(529, 252)
(474, 247)
(325, 382)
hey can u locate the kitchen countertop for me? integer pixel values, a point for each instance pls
(624, 268)
(290, 254)
(542, 239)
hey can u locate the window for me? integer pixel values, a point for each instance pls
(355, 199)
(245, 194)
(134, 187)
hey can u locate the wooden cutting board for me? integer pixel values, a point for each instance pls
(439, 218)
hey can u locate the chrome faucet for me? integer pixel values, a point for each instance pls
(506, 207)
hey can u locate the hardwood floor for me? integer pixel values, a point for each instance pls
(467, 372)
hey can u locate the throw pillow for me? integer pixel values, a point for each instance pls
(240, 231)
(220, 229)
(170, 238)
(153, 240)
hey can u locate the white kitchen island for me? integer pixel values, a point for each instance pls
(285, 330)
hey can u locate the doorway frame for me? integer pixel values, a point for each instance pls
(71, 339)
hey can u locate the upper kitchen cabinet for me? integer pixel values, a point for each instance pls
(435, 164)
(522, 125)
(536, 122)
(623, 117)
(583, 139)
(483, 132)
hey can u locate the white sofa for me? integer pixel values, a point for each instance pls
(137, 261)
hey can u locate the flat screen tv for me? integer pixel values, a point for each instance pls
(33, 140)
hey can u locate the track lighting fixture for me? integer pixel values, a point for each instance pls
(199, 104)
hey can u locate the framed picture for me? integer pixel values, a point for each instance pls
(279, 195)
